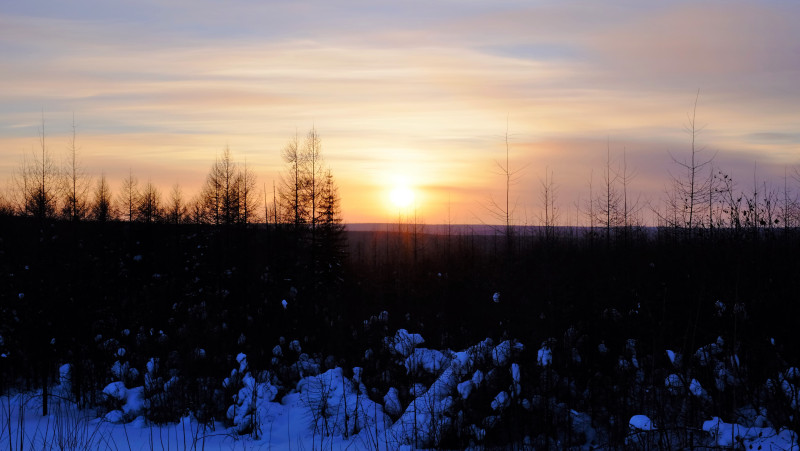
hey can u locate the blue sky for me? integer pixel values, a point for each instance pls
(415, 93)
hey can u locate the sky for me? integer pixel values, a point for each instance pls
(416, 94)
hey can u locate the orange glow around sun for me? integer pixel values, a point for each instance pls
(401, 196)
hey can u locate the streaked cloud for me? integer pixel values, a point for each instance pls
(420, 89)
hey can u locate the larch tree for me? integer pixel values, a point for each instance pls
(149, 208)
(247, 195)
(102, 208)
(312, 157)
(220, 194)
(549, 213)
(688, 189)
(176, 210)
(76, 205)
(38, 180)
(503, 211)
(292, 192)
(608, 202)
(630, 207)
(128, 197)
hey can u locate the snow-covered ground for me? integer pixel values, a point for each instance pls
(330, 410)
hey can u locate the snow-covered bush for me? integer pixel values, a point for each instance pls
(123, 404)
(248, 395)
(339, 406)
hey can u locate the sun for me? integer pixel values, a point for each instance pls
(401, 196)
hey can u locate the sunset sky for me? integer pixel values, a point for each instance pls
(414, 93)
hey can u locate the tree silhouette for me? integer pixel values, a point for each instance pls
(220, 195)
(129, 196)
(149, 207)
(76, 205)
(292, 194)
(688, 189)
(38, 180)
(248, 197)
(102, 208)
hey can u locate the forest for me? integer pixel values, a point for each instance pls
(219, 311)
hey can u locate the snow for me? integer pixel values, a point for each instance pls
(332, 411)
(544, 356)
(152, 365)
(115, 390)
(501, 401)
(465, 389)
(696, 389)
(428, 361)
(674, 384)
(502, 352)
(641, 423)
(391, 403)
(131, 401)
(478, 378)
(403, 343)
(728, 434)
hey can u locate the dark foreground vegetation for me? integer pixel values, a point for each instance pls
(138, 303)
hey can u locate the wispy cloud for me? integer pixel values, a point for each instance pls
(420, 89)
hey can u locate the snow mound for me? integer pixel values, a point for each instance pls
(338, 406)
(429, 361)
(641, 423)
(696, 389)
(729, 435)
(501, 401)
(674, 384)
(391, 403)
(403, 343)
(132, 400)
(502, 352)
(544, 357)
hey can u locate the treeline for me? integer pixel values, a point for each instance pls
(306, 194)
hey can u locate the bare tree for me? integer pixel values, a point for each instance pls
(312, 157)
(791, 206)
(689, 188)
(229, 183)
(730, 200)
(547, 196)
(149, 207)
(248, 198)
(129, 196)
(630, 207)
(608, 203)
(195, 210)
(37, 181)
(292, 193)
(6, 206)
(271, 213)
(102, 208)
(503, 211)
(589, 207)
(176, 210)
(76, 205)
(221, 193)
